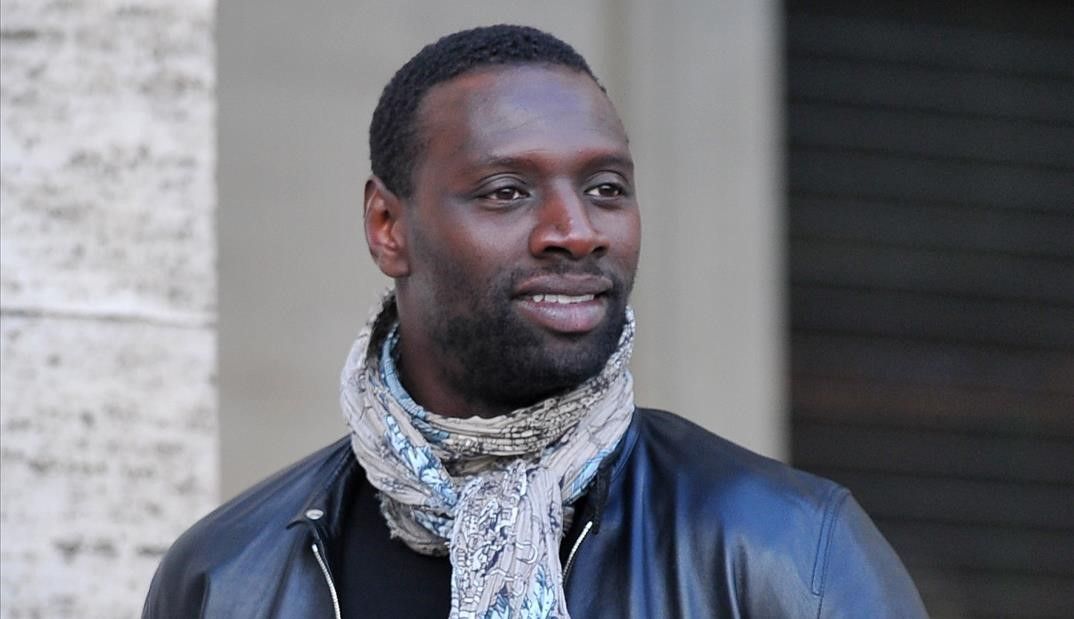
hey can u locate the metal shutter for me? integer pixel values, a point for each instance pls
(931, 232)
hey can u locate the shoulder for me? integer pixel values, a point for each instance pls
(271, 504)
(726, 492)
(797, 541)
(717, 467)
(245, 530)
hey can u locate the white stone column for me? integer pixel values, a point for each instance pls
(108, 445)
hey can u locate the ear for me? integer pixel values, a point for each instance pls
(385, 228)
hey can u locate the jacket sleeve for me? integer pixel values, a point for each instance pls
(857, 573)
(176, 591)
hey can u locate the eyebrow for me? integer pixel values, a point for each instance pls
(599, 161)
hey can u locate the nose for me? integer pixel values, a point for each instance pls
(565, 226)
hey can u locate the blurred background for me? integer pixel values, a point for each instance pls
(858, 257)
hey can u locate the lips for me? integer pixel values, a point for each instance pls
(564, 304)
(562, 299)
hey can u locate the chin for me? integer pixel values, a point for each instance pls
(551, 365)
(509, 362)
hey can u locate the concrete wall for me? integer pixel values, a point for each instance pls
(108, 434)
(697, 82)
(701, 96)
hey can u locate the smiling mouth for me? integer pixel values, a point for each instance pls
(562, 299)
(565, 314)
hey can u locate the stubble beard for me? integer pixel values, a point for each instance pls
(502, 361)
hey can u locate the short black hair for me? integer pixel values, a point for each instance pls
(393, 133)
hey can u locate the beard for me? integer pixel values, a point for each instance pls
(501, 359)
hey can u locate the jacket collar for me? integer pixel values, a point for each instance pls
(323, 510)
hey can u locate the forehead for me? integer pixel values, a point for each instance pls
(527, 107)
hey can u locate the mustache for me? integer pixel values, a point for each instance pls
(587, 266)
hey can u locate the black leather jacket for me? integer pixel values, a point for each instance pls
(690, 526)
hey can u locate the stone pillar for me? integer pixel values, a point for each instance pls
(108, 444)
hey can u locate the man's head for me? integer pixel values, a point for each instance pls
(513, 235)
(395, 136)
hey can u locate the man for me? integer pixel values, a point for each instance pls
(496, 465)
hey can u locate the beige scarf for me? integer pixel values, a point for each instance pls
(490, 493)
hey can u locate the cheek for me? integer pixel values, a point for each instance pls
(624, 230)
(491, 241)
(457, 265)
(433, 262)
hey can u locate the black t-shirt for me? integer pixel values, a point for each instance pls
(380, 577)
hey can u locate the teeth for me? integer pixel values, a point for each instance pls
(562, 298)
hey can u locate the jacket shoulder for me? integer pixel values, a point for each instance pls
(677, 446)
(767, 519)
(254, 521)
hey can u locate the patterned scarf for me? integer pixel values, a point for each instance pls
(492, 494)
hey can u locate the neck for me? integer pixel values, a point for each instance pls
(432, 388)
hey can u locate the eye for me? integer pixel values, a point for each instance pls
(606, 190)
(505, 194)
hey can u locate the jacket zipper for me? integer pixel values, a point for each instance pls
(328, 579)
(574, 550)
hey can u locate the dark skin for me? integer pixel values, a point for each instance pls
(522, 216)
